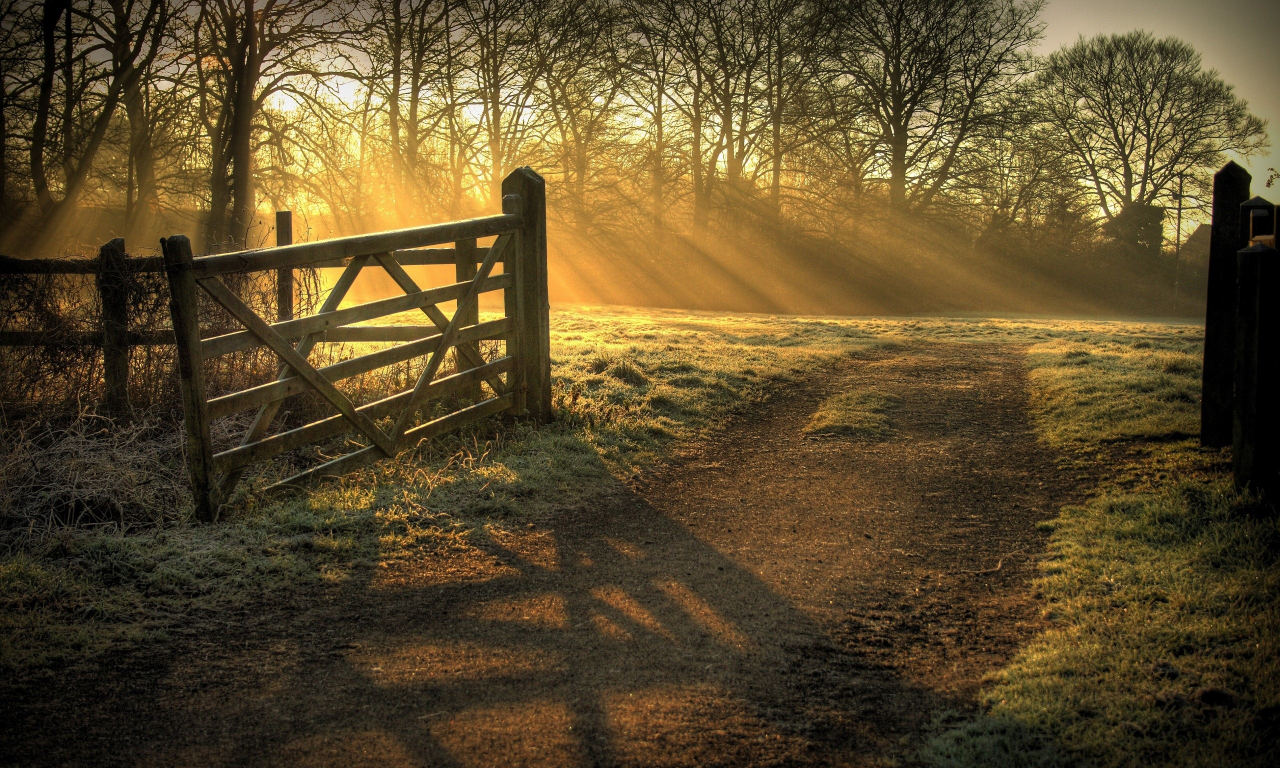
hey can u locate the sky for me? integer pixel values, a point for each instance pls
(1239, 39)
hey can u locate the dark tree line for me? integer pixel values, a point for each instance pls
(663, 115)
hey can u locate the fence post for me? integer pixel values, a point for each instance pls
(1266, 451)
(195, 411)
(284, 276)
(1230, 189)
(534, 325)
(1254, 439)
(464, 252)
(1244, 406)
(113, 298)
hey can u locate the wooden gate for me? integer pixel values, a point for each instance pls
(519, 381)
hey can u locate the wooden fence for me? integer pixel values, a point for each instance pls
(112, 271)
(1240, 404)
(519, 381)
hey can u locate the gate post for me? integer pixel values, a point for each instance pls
(113, 298)
(195, 410)
(1230, 189)
(533, 331)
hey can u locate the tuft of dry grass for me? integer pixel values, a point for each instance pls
(91, 472)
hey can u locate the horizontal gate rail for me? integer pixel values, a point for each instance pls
(518, 380)
(283, 388)
(309, 254)
(157, 338)
(12, 266)
(418, 257)
(241, 341)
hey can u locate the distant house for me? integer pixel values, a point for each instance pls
(1194, 273)
(1196, 248)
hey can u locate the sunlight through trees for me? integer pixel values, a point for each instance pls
(140, 117)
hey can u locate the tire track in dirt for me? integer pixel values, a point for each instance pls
(771, 600)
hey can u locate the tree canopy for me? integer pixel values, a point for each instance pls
(671, 115)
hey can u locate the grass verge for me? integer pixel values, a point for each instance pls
(1164, 590)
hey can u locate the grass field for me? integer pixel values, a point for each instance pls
(1162, 590)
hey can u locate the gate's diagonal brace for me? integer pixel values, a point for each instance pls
(366, 456)
(277, 343)
(262, 422)
(433, 312)
(446, 338)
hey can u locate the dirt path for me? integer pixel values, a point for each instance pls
(774, 600)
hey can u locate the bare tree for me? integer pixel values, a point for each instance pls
(99, 54)
(19, 73)
(930, 75)
(412, 51)
(652, 65)
(244, 54)
(580, 51)
(1136, 114)
(686, 27)
(789, 77)
(505, 79)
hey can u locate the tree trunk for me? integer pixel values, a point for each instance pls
(5, 212)
(659, 151)
(242, 198)
(731, 162)
(412, 137)
(215, 225)
(581, 214)
(775, 164)
(397, 54)
(140, 220)
(898, 170)
(456, 166)
(44, 102)
(700, 212)
(219, 192)
(68, 101)
(495, 146)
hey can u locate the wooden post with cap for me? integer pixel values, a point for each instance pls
(1255, 447)
(1230, 189)
(534, 321)
(1266, 450)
